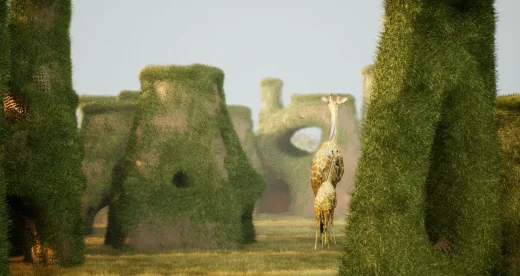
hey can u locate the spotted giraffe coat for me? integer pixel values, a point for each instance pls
(321, 165)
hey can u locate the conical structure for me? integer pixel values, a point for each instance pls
(184, 180)
(429, 169)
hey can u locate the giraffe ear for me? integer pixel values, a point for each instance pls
(343, 100)
(324, 99)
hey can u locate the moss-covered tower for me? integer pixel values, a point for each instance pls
(429, 169)
(43, 170)
(184, 180)
(105, 129)
(4, 80)
(508, 120)
(243, 123)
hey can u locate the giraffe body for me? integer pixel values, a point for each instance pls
(328, 150)
(321, 165)
(325, 203)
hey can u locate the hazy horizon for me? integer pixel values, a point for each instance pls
(312, 47)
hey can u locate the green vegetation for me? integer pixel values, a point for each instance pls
(105, 130)
(4, 79)
(43, 171)
(429, 167)
(287, 168)
(285, 246)
(368, 76)
(243, 124)
(184, 181)
(508, 119)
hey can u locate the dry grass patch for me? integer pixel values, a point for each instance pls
(285, 246)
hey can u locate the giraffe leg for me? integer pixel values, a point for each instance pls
(322, 234)
(332, 228)
(326, 229)
(317, 230)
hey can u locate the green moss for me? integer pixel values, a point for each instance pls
(128, 96)
(243, 123)
(430, 159)
(84, 99)
(184, 180)
(4, 79)
(287, 168)
(508, 119)
(44, 168)
(104, 134)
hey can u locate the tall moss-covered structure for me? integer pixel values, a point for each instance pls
(104, 132)
(184, 180)
(367, 73)
(287, 168)
(243, 123)
(43, 170)
(429, 169)
(508, 119)
(4, 81)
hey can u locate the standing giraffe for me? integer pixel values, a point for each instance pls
(323, 157)
(324, 205)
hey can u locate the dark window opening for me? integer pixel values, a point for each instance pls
(180, 179)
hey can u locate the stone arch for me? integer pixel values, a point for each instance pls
(284, 161)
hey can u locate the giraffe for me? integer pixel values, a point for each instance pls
(321, 160)
(324, 205)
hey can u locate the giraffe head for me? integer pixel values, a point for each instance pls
(334, 102)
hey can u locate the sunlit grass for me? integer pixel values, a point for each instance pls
(285, 246)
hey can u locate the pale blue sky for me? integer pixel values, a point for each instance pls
(313, 46)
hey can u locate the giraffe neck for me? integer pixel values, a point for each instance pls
(331, 170)
(333, 123)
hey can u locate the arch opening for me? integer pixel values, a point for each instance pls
(100, 223)
(91, 213)
(22, 230)
(307, 139)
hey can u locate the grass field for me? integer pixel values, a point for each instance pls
(285, 246)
